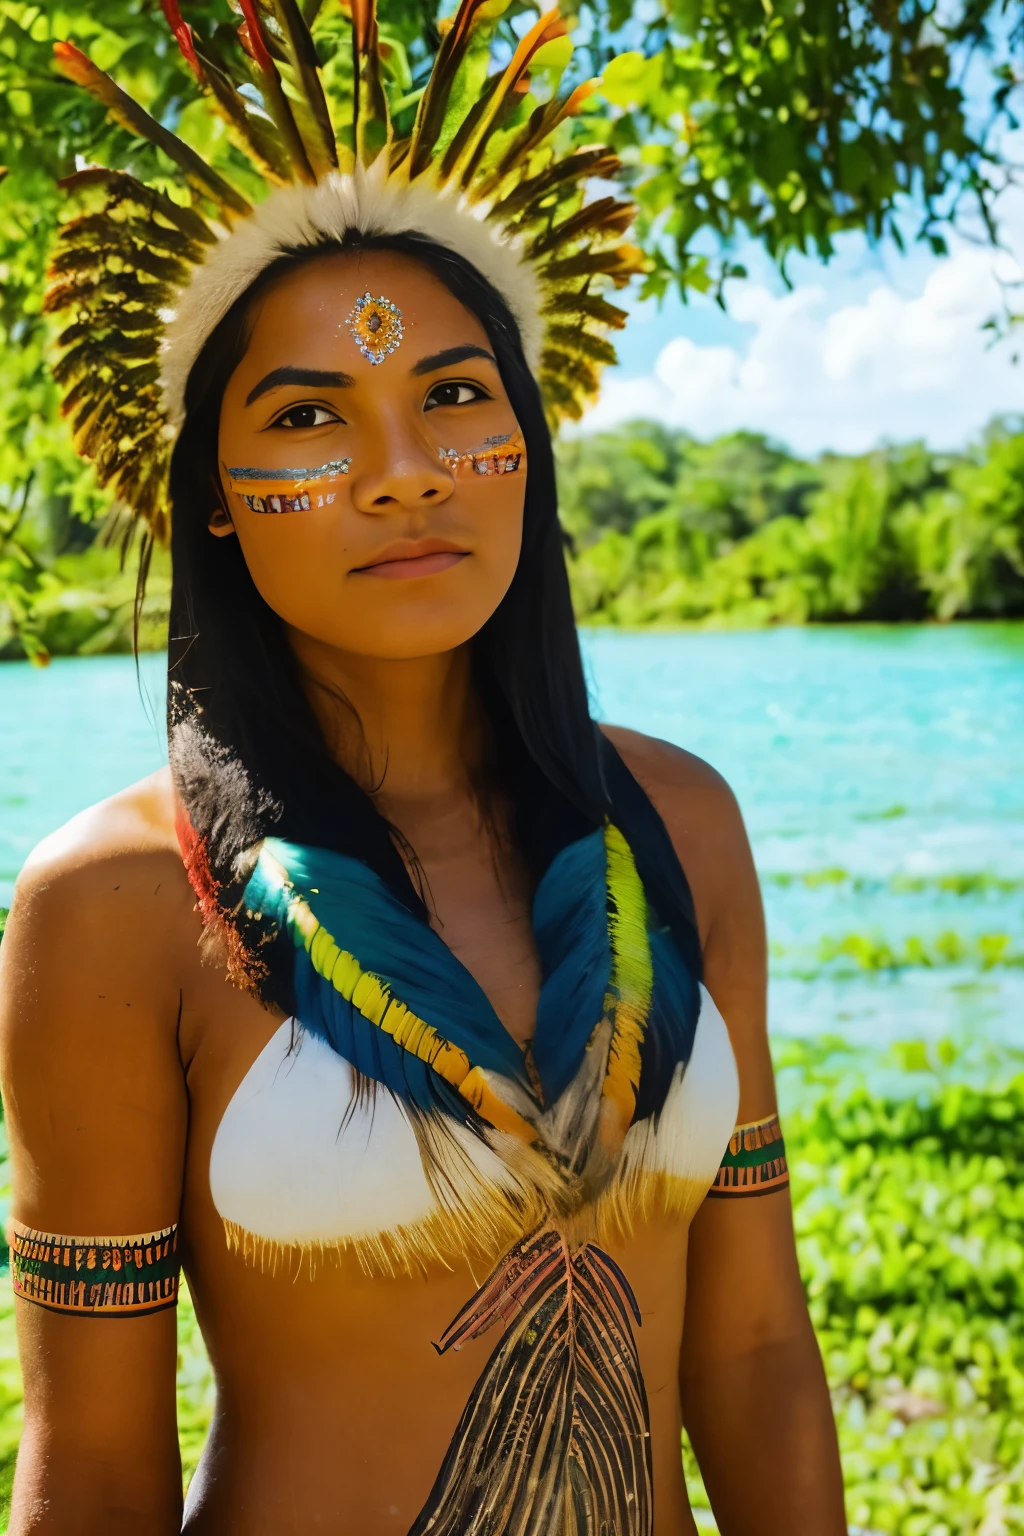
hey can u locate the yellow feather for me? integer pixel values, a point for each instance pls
(632, 975)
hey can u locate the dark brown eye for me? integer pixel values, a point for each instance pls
(299, 416)
(454, 394)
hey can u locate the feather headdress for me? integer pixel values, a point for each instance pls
(488, 169)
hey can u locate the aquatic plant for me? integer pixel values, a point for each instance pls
(871, 953)
(975, 883)
(910, 1221)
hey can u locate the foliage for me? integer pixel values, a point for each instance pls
(910, 1223)
(81, 603)
(966, 883)
(792, 121)
(669, 530)
(798, 120)
(910, 1219)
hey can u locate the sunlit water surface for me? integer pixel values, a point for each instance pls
(880, 771)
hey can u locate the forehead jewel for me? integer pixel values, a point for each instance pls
(376, 327)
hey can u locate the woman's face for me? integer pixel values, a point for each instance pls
(378, 503)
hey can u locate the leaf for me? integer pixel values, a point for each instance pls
(581, 1465)
(631, 80)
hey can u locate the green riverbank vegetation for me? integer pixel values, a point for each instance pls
(666, 531)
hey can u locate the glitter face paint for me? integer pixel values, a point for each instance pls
(296, 490)
(501, 455)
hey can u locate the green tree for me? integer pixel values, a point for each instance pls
(733, 484)
(748, 534)
(607, 480)
(969, 535)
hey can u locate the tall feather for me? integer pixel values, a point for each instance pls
(115, 268)
(319, 140)
(435, 103)
(80, 69)
(248, 125)
(541, 125)
(273, 93)
(371, 121)
(549, 27)
(595, 162)
(182, 36)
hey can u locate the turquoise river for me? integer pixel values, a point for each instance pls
(880, 771)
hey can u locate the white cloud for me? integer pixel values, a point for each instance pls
(817, 373)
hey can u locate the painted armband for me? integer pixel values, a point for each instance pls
(95, 1276)
(755, 1163)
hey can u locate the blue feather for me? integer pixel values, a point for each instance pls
(570, 917)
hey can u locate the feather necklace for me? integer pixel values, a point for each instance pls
(535, 1158)
(556, 1434)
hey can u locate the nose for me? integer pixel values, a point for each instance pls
(394, 470)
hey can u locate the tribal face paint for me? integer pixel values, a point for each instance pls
(500, 455)
(295, 490)
(304, 395)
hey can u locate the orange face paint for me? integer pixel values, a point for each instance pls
(288, 490)
(500, 455)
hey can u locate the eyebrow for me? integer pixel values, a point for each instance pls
(310, 378)
(448, 357)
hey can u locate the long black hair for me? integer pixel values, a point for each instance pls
(247, 753)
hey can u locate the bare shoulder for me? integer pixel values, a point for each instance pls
(109, 882)
(699, 810)
(137, 820)
(91, 974)
(672, 772)
(704, 822)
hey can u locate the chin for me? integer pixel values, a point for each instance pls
(409, 645)
(400, 636)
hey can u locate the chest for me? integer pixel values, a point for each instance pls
(479, 898)
(306, 1157)
(395, 1115)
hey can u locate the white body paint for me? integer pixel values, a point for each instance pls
(294, 1161)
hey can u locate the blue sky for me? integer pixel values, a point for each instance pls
(873, 345)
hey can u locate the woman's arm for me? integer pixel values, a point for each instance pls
(755, 1401)
(96, 1117)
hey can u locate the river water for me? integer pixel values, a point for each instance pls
(880, 771)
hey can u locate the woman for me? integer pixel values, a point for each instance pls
(436, 1165)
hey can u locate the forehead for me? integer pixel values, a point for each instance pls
(304, 318)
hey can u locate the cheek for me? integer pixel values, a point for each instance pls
(293, 558)
(301, 564)
(495, 507)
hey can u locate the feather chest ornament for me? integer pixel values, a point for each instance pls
(402, 1125)
(541, 1164)
(487, 168)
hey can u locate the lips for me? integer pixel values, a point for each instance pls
(408, 559)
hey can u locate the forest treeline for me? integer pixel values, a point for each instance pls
(666, 530)
(737, 531)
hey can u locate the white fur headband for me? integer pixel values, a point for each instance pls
(302, 215)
